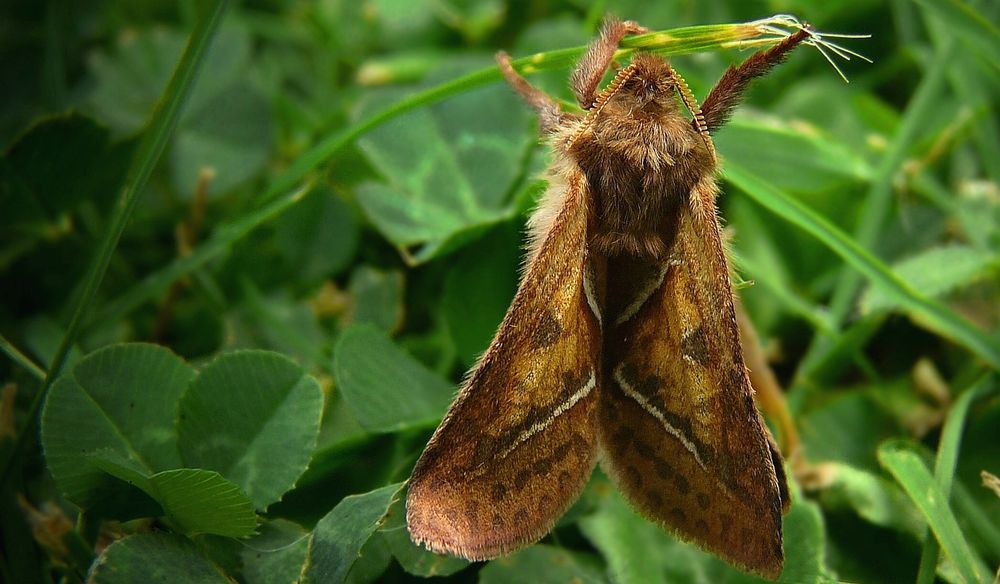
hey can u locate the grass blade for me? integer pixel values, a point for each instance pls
(947, 461)
(154, 141)
(910, 472)
(878, 201)
(933, 313)
(21, 359)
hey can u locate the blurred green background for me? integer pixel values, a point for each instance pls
(374, 262)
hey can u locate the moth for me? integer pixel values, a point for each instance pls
(621, 344)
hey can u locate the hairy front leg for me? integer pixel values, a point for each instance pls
(549, 114)
(595, 62)
(728, 92)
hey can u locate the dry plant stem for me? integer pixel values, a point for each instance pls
(768, 394)
(8, 397)
(990, 481)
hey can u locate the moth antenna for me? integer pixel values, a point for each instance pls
(841, 50)
(691, 103)
(602, 100)
(832, 63)
(817, 39)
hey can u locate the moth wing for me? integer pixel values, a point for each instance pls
(518, 444)
(678, 428)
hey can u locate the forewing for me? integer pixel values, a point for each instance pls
(518, 444)
(677, 423)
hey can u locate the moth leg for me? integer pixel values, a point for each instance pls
(599, 56)
(549, 114)
(726, 94)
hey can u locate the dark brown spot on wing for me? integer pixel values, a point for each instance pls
(547, 332)
(542, 466)
(695, 345)
(522, 478)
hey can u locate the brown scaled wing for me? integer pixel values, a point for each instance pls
(518, 444)
(677, 424)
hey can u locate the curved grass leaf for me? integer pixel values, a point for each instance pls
(386, 389)
(909, 470)
(337, 540)
(120, 400)
(934, 314)
(969, 25)
(946, 464)
(254, 417)
(154, 557)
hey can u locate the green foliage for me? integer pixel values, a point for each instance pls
(247, 253)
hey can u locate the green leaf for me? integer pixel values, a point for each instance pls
(847, 428)
(872, 498)
(196, 501)
(121, 399)
(281, 323)
(253, 416)
(448, 167)
(338, 538)
(154, 557)
(319, 236)
(412, 558)
(911, 473)
(227, 126)
(61, 161)
(386, 389)
(276, 554)
(376, 298)
(935, 315)
(229, 134)
(936, 272)
(771, 147)
(478, 288)
(543, 564)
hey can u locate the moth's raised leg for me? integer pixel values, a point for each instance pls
(726, 94)
(549, 114)
(595, 62)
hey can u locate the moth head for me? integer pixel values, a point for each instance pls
(651, 88)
